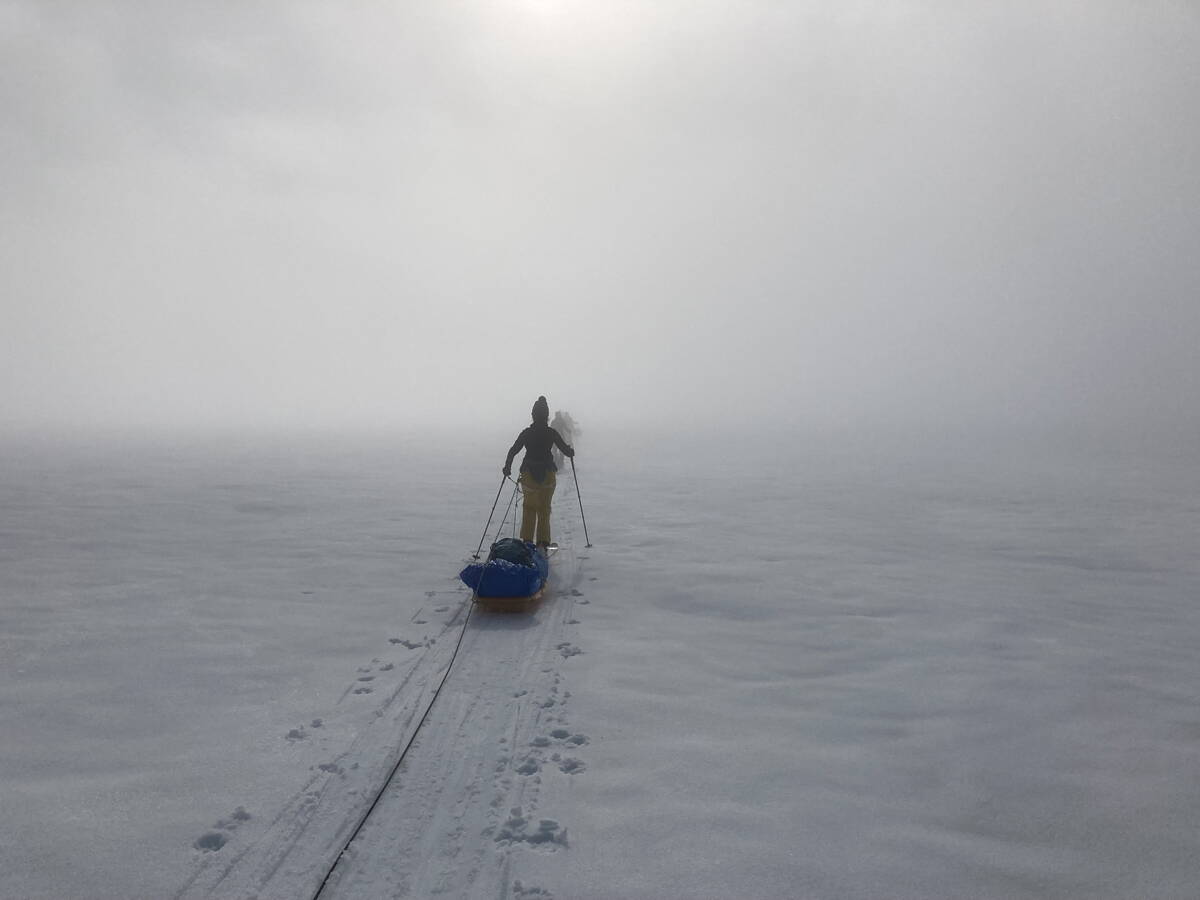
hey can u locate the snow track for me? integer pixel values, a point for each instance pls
(465, 797)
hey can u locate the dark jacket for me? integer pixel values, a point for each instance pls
(538, 439)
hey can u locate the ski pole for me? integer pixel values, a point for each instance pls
(489, 521)
(581, 515)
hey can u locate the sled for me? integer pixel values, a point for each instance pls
(513, 579)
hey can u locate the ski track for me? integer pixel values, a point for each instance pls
(465, 799)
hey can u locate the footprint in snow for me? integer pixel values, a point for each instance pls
(236, 818)
(576, 593)
(530, 892)
(296, 734)
(210, 841)
(517, 829)
(332, 768)
(568, 649)
(571, 766)
(387, 668)
(362, 690)
(366, 678)
(316, 723)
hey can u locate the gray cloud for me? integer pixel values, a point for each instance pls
(291, 213)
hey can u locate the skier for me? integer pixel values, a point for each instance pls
(567, 429)
(537, 472)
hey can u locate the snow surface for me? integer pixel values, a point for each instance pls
(826, 668)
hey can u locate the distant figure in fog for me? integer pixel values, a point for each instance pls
(537, 472)
(567, 429)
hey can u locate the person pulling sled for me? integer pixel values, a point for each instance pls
(538, 472)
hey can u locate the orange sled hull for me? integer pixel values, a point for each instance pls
(511, 604)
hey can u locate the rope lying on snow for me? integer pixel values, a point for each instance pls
(403, 753)
(511, 507)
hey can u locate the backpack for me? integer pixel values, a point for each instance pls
(512, 550)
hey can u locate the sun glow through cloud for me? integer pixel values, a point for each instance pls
(929, 213)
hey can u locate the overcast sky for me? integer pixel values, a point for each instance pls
(731, 210)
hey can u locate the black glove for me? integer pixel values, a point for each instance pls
(570, 453)
(507, 471)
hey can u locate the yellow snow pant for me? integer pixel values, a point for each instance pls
(535, 516)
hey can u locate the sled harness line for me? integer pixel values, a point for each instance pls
(510, 508)
(483, 537)
(403, 753)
